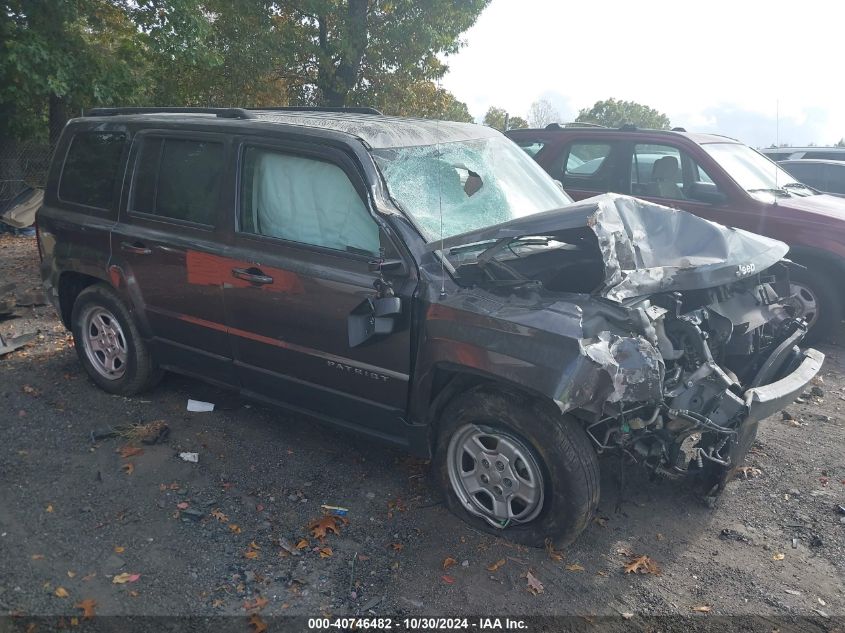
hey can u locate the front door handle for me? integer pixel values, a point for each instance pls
(135, 248)
(252, 275)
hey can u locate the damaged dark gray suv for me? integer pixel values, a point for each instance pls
(427, 284)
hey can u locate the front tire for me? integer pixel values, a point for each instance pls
(109, 344)
(816, 299)
(511, 467)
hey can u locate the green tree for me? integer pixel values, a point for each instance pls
(495, 118)
(416, 99)
(347, 50)
(614, 113)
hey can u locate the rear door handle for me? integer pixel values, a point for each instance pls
(135, 248)
(252, 275)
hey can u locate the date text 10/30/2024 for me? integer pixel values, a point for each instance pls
(419, 624)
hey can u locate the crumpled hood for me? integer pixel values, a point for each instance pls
(647, 248)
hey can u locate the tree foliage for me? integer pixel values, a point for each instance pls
(615, 113)
(57, 58)
(495, 118)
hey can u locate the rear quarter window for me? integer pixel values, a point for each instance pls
(91, 169)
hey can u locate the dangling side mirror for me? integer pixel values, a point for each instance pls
(372, 318)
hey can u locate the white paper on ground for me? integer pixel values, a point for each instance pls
(190, 457)
(200, 406)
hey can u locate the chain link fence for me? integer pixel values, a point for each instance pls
(23, 165)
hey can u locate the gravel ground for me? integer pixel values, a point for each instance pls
(210, 538)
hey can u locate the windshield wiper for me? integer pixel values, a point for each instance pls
(801, 187)
(778, 192)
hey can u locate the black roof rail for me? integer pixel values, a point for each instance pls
(560, 126)
(224, 113)
(350, 110)
(677, 129)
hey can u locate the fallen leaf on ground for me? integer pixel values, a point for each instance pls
(642, 565)
(218, 514)
(37, 556)
(702, 608)
(495, 566)
(749, 471)
(259, 603)
(61, 592)
(130, 451)
(251, 554)
(555, 555)
(326, 523)
(49, 507)
(119, 549)
(325, 552)
(258, 625)
(122, 579)
(397, 546)
(184, 505)
(779, 556)
(71, 574)
(448, 562)
(30, 391)
(129, 468)
(302, 544)
(234, 528)
(134, 594)
(447, 579)
(575, 567)
(534, 584)
(87, 607)
(89, 576)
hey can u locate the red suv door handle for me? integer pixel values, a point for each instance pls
(137, 248)
(252, 275)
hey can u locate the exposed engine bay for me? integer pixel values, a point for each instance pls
(685, 334)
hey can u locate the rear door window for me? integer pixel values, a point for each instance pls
(91, 169)
(530, 147)
(178, 179)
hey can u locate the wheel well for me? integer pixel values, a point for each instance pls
(70, 285)
(450, 382)
(809, 257)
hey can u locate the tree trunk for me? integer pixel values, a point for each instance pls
(336, 79)
(58, 116)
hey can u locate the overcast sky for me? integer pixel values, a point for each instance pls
(723, 66)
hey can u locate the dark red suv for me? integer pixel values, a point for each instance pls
(716, 178)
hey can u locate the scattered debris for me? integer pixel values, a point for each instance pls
(641, 565)
(778, 556)
(749, 471)
(122, 579)
(447, 579)
(257, 624)
(704, 608)
(574, 567)
(495, 566)
(258, 604)
(555, 555)
(130, 451)
(325, 552)
(61, 592)
(336, 510)
(198, 406)
(190, 457)
(9, 345)
(217, 513)
(88, 605)
(448, 562)
(534, 584)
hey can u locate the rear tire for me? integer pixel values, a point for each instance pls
(109, 345)
(817, 296)
(522, 442)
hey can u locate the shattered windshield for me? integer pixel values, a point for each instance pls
(476, 184)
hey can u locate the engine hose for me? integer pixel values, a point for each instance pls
(700, 420)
